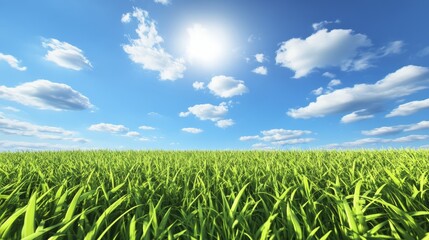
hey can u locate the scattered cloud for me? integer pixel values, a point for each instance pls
(65, 55)
(322, 24)
(146, 128)
(388, 130)
(198, 85)
(192, 130)
(338, 47)
(409, 108)
(424, 52)
(210, 112)
(146, 50)
(260, 58)
(280, 137)
(226, 87)
(224, 123)
(261, 146)
(207, 111)
(328, 75)
(154, 114)
(107, 127)
(356, 116)
(21, 128)
(46, 95)
(318, 91)
(333, 83)
(126, 18)
(383, 131)
(394, 47)
(403, 82)
(132, 134)
(144, 139)
(163, 2)
(373, 141)
(12, 61)
(260, 70)
(417, 126)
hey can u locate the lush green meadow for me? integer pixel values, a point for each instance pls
(215, 195)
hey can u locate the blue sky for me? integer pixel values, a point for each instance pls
(171, 74)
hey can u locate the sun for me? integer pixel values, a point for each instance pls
(205, 46)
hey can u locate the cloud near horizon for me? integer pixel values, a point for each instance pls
(367, 98)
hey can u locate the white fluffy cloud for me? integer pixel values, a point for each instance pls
(260, 70)
(226, 87)
(387, 130)
(224, 123)
(126, 18)
(163, 2)
(107, 127)
(356, 116)
(198, 85)
(338, 47)
(44, 94)
(280, 137)
(207, 111)
(192, 130)
(260, 58)
(146, 50)
(20, 128)
(367, 97)
(210, 112)
(132, 134)
(12, 61)
(65, 55)
(409, 108)
(144, 127)
(372, 141)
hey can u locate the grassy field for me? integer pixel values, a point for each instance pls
(215, 195)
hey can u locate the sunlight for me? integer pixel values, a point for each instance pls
(205, 46)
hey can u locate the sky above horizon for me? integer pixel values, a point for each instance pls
(183, 75)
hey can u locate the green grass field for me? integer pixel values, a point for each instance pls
(215, 195)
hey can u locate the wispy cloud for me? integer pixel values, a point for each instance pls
(280, 137)
(409, 108)
(146, 128)
(321, 25)
(146, 50)
(192, 130)
(367, 97)
(226, 87)
(19, 145)
(46, 95)
(357, 116)
(376, 142)
(12, 61)
(163, 2)
(65, 55)
(21, 128)
(388, 130)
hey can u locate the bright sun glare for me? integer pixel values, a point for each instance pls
(204, 45)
